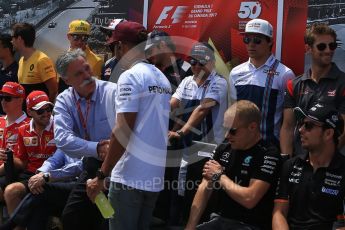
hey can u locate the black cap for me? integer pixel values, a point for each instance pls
(156, 36)
(323, 114)
(202, 51)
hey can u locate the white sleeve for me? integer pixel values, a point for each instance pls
(287, 76)
(217, 90)
(232, 88)
(129, 93)
(178, 93)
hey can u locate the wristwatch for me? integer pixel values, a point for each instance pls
(180, 133)
(215, 177)
(46, 177)
(100, 175)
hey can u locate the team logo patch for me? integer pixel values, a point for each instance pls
(331, 93)
(26, 141)
(329, 191)
(225, 157)
(30, 141)
(34, 140)
(247, 160)
(1, 133)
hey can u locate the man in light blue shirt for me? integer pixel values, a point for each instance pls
(83, 120)
(46, 198)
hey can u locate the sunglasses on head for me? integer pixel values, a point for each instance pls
(77, 37)
(309, 125)
(193, 62)
(256, 40)
(7, 98)
(41, 111)
(322, 46)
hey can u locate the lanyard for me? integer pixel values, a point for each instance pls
(83, 119)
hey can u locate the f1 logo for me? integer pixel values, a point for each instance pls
(249, 10)
(177, 15)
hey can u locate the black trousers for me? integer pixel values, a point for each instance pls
(34, 210)
(80, 212)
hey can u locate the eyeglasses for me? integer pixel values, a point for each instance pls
(77, 37)
(7, 98)
(309, 125)
(41, 111)
(193, 62)
(256, 40)
(322, 46)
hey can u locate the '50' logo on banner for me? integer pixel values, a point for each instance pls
(249, 10)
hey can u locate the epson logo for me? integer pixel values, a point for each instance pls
(329, 191)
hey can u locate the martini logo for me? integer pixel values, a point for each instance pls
(176, 15)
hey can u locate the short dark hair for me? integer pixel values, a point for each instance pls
(26, 31)
(6, 42)
(316, 30)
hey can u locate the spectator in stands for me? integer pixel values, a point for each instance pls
(83, 120)
(312, 186)
(78, 35)
(12, 96)
(204, 98)
(244, 171)
(8, 65)
(323, 83)
(49, 191)
(35, 144)
(160, 51)
(36, 70)
(110, 64)
(262, 78)
(137, 151)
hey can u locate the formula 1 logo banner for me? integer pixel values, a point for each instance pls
(222, 21)
(206, 20)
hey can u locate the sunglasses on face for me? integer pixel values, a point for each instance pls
(41, 111)
(322, 46)
(7, 98)
(309, 125)
(193, 62)
(231, 131)
(256, 40)
(77, 37)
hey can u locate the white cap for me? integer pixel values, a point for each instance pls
(259, 26)
(112, 24)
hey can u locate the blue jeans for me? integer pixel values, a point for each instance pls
(133, 207)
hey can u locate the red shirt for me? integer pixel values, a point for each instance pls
(33, 148)
(9, 134)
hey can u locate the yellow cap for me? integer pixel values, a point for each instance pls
(79, 27)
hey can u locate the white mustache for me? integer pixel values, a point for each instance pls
(88, 81)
